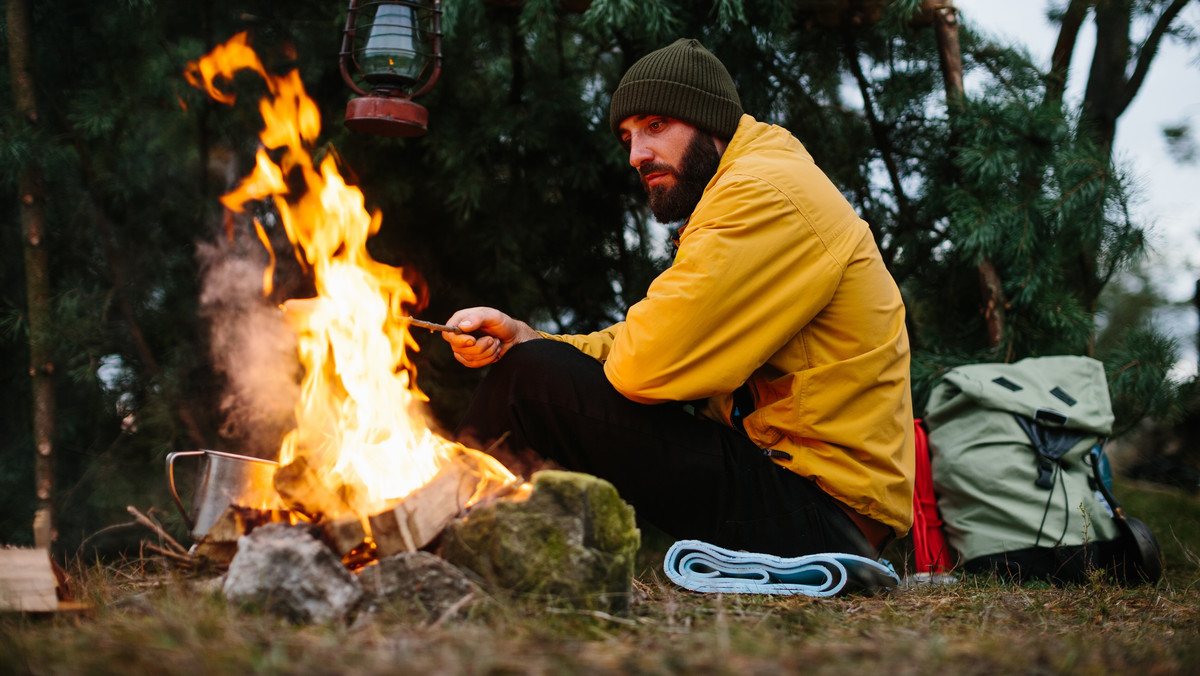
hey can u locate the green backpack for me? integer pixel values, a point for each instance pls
(1020, 476)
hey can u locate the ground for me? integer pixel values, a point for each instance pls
(147, 619)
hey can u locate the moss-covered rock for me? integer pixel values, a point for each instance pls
(573, 539)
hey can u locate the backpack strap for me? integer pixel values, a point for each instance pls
(929, 543)
(1049, 444)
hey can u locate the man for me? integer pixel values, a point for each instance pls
(777, 323)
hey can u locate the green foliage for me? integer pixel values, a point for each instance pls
(655, 22)
(1136, 371)
(1034, 196)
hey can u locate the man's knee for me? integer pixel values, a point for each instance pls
(544, 352)
(544, 366)
(531, 374)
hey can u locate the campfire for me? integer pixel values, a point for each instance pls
(362, 463)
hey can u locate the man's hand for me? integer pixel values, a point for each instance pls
(494, 333)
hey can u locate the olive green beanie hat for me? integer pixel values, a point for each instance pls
(682, 80)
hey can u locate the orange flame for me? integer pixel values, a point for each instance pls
(360, 418)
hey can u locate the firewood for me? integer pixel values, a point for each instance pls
(344, 534)
(303, 490)
(227, 528)
(219, 544)
(416, 519)
(215, 554)
(27, 582)
(237, 521)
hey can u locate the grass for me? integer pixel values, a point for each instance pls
(154, 621)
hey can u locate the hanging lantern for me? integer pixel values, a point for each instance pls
(391, 54)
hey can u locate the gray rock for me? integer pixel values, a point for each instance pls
(418, 582)
(574, 540)
(286, 571)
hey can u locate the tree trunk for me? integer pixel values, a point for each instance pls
(1117, 73)
(945, 23)
(1196, 302)
(37, 270)
(1106, 81)
(1109, 89)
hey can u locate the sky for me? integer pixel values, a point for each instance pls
(1170, 192)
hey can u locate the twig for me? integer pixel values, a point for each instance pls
(496, 444)
(598, 614)
(118, 571)
(453, 610)
(1187, 553)
(149, 523)
(178, 558)
(106, 529)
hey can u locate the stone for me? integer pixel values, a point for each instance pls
(285, 570)
(418, 582)
(574, 540)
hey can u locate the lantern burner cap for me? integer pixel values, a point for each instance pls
(386, 116)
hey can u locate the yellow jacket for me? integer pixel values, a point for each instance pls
(778, 283)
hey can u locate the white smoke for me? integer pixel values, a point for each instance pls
(252, 348)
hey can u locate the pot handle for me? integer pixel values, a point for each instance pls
(171, 483)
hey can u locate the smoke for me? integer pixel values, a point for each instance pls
(251, 347)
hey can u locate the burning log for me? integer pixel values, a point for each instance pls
(220, 543)
(344, 535)
(417, 519)
(303, 490)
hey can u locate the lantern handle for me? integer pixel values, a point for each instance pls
(347, 49)
(437, 50)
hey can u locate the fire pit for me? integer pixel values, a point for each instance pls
(236, 494)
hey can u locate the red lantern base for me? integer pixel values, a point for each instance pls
(386, 116)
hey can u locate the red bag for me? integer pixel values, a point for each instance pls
(932, 553)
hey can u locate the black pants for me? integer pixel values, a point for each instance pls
(689, 476)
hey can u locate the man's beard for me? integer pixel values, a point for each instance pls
(699, 164)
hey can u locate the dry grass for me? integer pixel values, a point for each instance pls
(152, 621)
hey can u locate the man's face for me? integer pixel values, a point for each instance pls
(675, 160)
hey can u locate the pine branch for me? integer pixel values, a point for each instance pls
(1148, 51)
(882, 141)
(141, 345)
(1060, 59)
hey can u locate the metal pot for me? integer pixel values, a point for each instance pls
(228, 479)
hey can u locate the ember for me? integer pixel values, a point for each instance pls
(362, 462)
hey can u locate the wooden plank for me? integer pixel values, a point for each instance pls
(27, 582)
(419, 517)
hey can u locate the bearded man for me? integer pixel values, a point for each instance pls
(758, 397)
